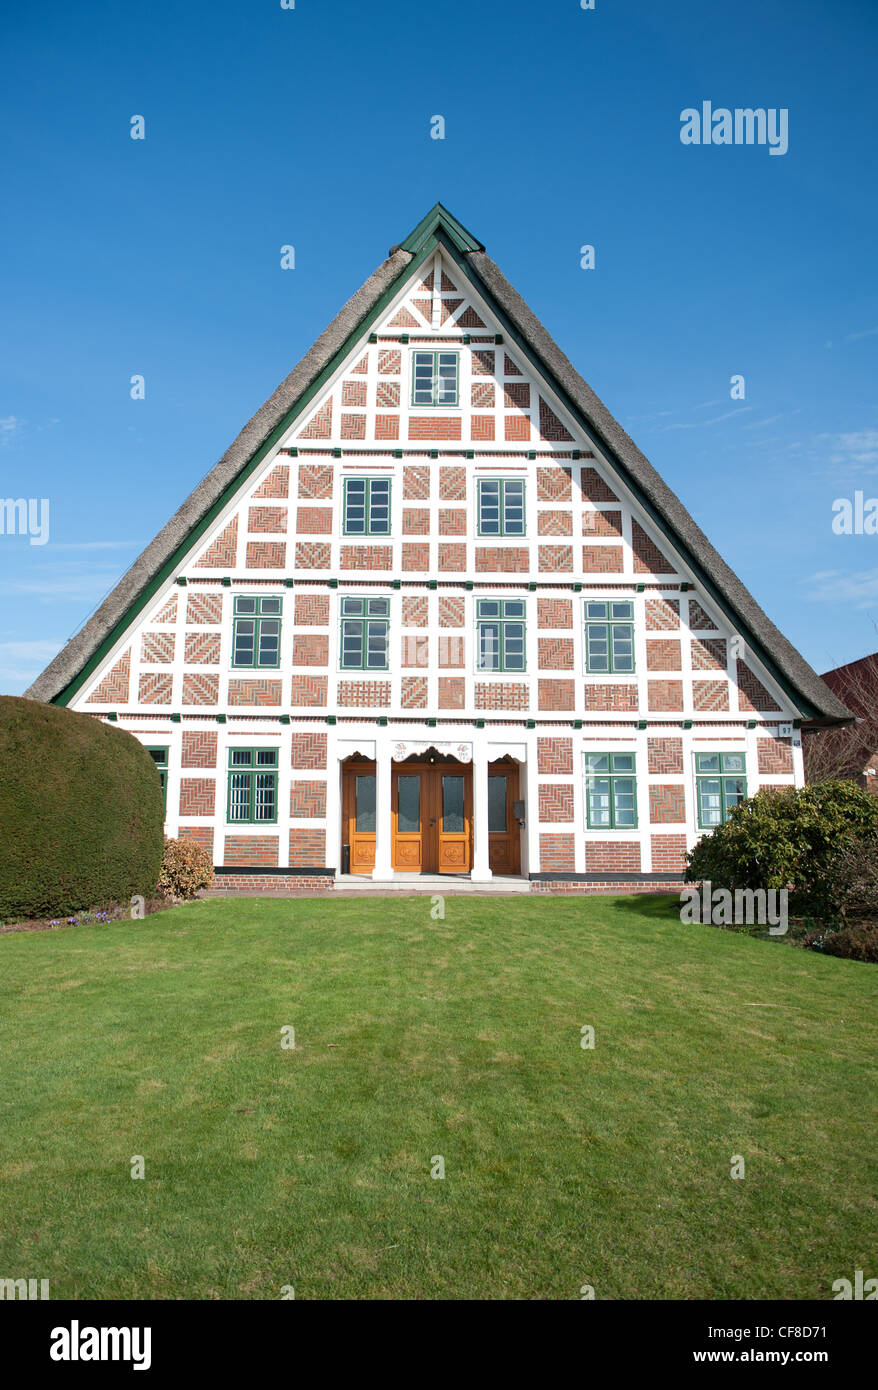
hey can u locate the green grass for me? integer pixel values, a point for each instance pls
(415, 1038)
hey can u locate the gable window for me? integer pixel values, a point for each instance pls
(160, 758)
(501, 507)
(435, 378)
(500, 632)
(365, 629)
(256, 632)
(252, 798)
(720, 784)
(609, 637)
(367, 506)
(610, 791)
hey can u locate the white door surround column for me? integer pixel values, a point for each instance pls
(481, 870)
(383, 846)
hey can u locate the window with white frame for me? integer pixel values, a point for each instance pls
(610, 791)
(364, 638)
(501, 507)
(366, 507)
(720, 784)
(500, 634)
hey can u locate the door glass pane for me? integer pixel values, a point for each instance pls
(452, 805)
(408, 819)
(497, 805)
(366, 805)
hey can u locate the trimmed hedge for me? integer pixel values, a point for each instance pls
(81, 814)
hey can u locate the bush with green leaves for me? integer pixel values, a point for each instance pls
(187, 867)
(792, 838)
(81, 813)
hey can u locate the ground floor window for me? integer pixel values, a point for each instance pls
(611, 791)
(252, 785)
(160, 758)
(720, 784)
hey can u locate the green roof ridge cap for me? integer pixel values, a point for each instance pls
(440, 219)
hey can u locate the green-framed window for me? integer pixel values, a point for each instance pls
(364, 641)
(720, 783)
(367, 506)
(159, 756)
(435, 378)
(610, 791)
(501, 507)
(609, 636)
(252, 793)
(500, 634)
(256, 632)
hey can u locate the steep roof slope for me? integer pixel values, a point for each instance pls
(808, 692)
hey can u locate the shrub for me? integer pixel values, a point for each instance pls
(790, 838)
(186, 868)
(857, 942)
(80, 809)
(855, 866)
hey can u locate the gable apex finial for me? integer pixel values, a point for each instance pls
(440, 221)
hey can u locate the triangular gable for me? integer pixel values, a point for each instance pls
(473, 274)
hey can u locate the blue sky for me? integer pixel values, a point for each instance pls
(311, 127)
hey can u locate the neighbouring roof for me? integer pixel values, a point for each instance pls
(808, 692)
(856, 684)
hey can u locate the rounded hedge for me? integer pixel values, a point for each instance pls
(81, 812)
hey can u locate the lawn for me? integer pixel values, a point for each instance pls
(267, 1167)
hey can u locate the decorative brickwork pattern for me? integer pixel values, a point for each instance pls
(606, 523)
(308, 690)
(308, 750)
(198, 748)
(709, 654)
(312, 610)
(308, 800)
(368, 694)
(555, 559)
(251, 690)
(752, 695)
(276, 484)
(555, 653)
(320, 425)
(452, 521)
(114, 688)
(556, 801)
(555, 756)
(197, 796)
(452, 557)
(452, 611)
(415, 557)
(416, 521)
(594, 489)
(774, 755)
(502, 559)
(502, 695)
(452, 692)
(222, 553)
(554, 523)
(272, 520)
(665, 696)
(602, 559)
(413, 692)
(452, 484)
(710, 695)
(667, 802)
(200, 689)
(202, 649)
(315, 481)
(415, 611)
(554, 484)
(312, 555)
(550, 426)
(313, 521)
(416, 482)
(266, 555)
(554, 612)
(665, 756)
(662, 614)
(204, 610)
(157, 648)
(155, 688)
(663, 654)
(556, 694)
(618, 698)
(366, 557)
(311, 649)
(699, 621)
(168, 613)
(434, 427)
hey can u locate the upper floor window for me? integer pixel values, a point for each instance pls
(435, 378)
(160, 758)
(720, 784)
(252, 795)
(367, 506)
(365, 628)
(611, 791)
(500, 631)
(256, 632)
(609, 637)
(501, 507)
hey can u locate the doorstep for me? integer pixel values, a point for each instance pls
(420, 884)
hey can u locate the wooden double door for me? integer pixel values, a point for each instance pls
(431, 818)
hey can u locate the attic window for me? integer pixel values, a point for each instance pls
(435, 378)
